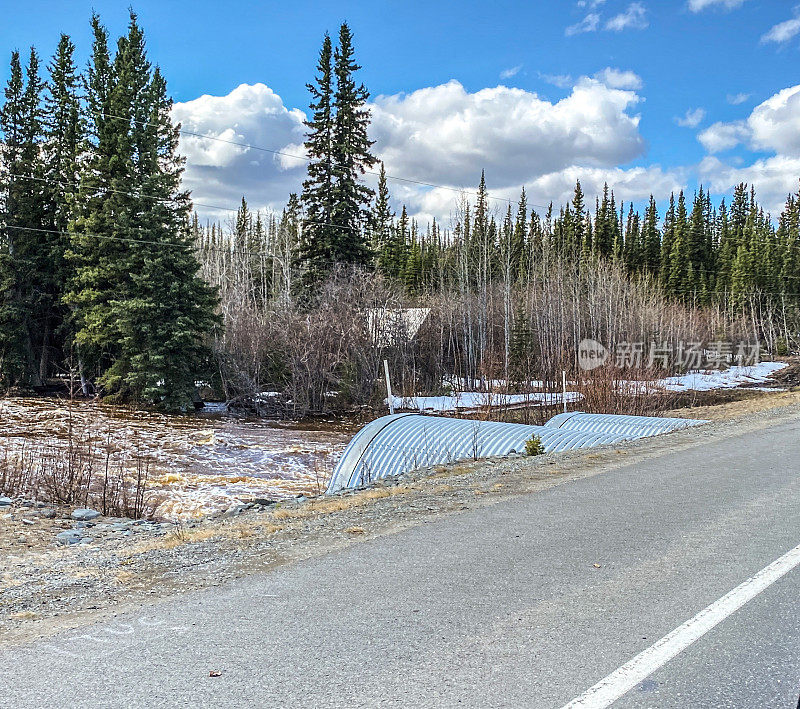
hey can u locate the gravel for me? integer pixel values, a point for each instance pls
(63, 568)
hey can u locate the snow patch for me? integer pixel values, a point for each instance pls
(708, 380)
(473, 400)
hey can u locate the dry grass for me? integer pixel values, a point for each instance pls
(355, 530)
(181, 536)
(328, 505)
(752, 403)
(83, 470)
(24, 615)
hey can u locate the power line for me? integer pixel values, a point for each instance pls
(768, 242)
(158, 199)
(132, 240)
(305, 158)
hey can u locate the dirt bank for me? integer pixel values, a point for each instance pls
(46, 585)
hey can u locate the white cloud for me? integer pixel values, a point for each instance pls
(590, 23)
(218, 172)
(441, 134)
(631, 184)
(700, 5)
(723, 136)
(444, 134)
(783, 31)
(590, 4)
(634, 17)
(692, 118)
(773, 125)
(610, 76)
(774, 178)
(508, 73)
(619, 79)
(562, 81)
(736, 99)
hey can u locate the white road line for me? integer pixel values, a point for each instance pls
(622, 680)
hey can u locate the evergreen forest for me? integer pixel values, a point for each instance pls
(111, 284)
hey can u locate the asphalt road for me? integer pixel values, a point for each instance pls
(497, 607)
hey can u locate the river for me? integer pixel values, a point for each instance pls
(198, 463)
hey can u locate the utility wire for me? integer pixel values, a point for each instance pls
(159, 199)
(768, 242)
(305, 158)
(131, 240)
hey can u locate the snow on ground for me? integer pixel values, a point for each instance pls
(706, 380)
(472, 400)
(697, 380)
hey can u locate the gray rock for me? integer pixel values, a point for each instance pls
(263, 502)
(121, 527)
(5, 501)
(71, 536)
(48, 513)
(84, 515)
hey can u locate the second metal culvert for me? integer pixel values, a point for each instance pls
(392, 445)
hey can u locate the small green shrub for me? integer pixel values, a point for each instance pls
(534, 446)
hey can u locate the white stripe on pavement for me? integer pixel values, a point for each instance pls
(612, 687)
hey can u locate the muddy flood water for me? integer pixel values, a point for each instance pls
(198, 463)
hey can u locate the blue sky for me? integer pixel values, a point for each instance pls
(651, 96)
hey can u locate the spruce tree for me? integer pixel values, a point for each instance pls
(25, 267)
(382, 217)
(351, 157)
(336, 200)
(667, 240)
(394, 255)
(141, 311)
(604, 226)
(679, 258)
(651, 238)
(519, 238)
(578, 208)
(12, 354)
(63, 144)
(319, 233)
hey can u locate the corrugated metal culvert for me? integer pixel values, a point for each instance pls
(396, 444)
(392, 445)
(634, 426)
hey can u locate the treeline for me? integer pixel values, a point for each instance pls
(509, 292)
(700, 253)
(98, 275)
(731, 257)
(108, 282)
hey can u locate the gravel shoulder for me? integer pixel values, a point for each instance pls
(47, 586)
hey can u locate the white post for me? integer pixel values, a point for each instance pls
(564, 389)
(389, 397)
